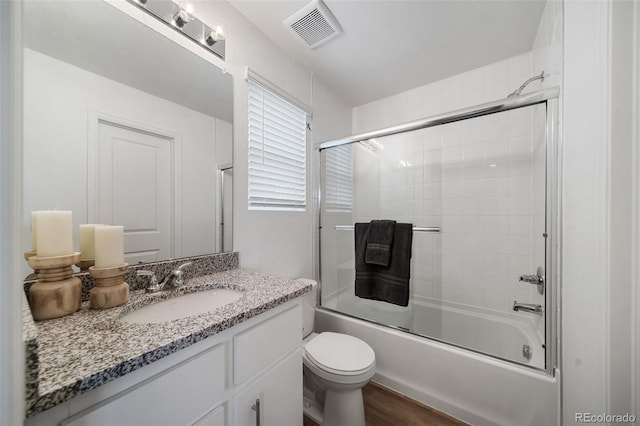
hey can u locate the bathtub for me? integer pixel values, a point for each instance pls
(465, 384)
(509, 336)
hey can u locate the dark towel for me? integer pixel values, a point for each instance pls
(389, 284)
(379, 239)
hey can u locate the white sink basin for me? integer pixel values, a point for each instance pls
(183, 306)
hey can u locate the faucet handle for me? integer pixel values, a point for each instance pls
(178, 274)
(153, 281)
(184, 266)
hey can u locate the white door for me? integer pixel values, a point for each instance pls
(134, 189)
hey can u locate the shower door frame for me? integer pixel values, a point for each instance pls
(548, 97)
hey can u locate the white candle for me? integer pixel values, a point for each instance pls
(34, 237)
(109, 246)
(54, 236)
(86, 239)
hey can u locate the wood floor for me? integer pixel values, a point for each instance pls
(383, 406)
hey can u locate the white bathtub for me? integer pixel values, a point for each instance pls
(499, 334)
(475, 388)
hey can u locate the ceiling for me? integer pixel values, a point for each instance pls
(99, 38)
(389, 46)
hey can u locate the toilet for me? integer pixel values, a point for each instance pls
(336, 366)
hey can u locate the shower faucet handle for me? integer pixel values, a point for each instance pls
(537, 279)
(531, 279)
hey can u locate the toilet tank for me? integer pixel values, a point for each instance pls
(308, 307)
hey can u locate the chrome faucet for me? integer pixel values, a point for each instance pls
(173, 279)
(527, 307)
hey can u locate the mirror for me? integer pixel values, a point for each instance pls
(124, 126)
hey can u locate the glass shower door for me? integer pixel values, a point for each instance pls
(483, 183)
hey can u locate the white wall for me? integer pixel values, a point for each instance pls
(595, 296)
(272, 242)
(331, 120)
(11, 294)
(635, 290)
(58, 100)
(621, 198)
(546, 54)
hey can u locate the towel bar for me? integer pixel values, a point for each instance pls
(415, 228)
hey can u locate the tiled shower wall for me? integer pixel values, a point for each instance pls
(474, 178)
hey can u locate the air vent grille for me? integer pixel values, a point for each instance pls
(314, 24)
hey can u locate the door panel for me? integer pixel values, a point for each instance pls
(134, 189)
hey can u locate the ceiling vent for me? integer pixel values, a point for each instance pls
(314, 24)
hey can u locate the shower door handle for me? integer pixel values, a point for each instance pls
(537, 279)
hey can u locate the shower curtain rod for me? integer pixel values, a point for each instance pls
(506, 104)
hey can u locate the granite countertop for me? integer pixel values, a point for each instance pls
(71, 355)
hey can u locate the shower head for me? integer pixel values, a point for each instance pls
(521, 88)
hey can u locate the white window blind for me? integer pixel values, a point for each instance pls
(277, 151)
(339, 179)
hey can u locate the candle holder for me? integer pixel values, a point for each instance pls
(34, 274)
(85, 264)
(110, 289)
(57, 292)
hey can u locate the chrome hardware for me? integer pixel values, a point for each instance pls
(527, 352)
(153, 285)
(527, 307)
(256, 407)
(537, 279)
(519, 90)
(173, 279)
(433, 229)
(531, 279)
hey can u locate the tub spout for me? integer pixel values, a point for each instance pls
(527, 307)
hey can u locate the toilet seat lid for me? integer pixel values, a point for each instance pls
(340, 352)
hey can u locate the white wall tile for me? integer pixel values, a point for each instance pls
(496, 73)
(494, 225)
(451, 93)
(472, 178)
(496, 186)
(519, 70)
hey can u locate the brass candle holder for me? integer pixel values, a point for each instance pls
(110, 289)
(57, 292)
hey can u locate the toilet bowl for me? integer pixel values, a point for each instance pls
(335, 367)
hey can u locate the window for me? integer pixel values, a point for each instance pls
(339, 179)
(277, 151)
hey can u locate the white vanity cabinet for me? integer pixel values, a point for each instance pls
(215, 382)
(265, 396)
(272, 399)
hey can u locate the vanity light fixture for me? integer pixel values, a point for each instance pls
(212, 38)
(183, 20)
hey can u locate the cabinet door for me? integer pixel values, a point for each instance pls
(216, 417)
(279, 392)
(260, 346)
(179, 396)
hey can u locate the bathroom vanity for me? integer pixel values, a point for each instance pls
(238, 365)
